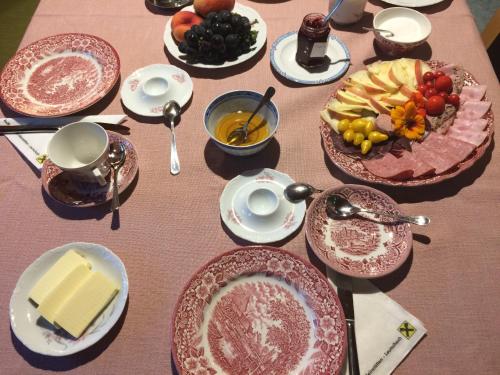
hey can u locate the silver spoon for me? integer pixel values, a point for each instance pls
(389, 33)
(171, 112)
(240, 135)
(299, 191)
(339, 206)
(116, 158)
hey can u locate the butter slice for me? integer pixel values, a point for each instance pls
(64, 266)
(51, 304)
(85, 304)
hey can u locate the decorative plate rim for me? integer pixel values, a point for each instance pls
(234, 250)
(408, 233)
(459, 168)
(308, 82)
(97, 99)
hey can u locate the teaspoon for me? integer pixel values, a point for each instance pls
(299, 191)
(171, 112)
(389, 33)
(339, 206)
(116, 158)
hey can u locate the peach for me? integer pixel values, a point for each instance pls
(182, 22)
(203, 7)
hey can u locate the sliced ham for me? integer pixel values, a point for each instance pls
(442, 151)
(468, 135)
(472, 93)
(479, 124)
(420, 167)
(384, 123)
(389, 166)
(473, 109)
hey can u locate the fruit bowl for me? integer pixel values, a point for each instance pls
(258, 25)
(410, 28)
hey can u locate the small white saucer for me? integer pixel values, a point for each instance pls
(147, 89)
(40, 336)
(283, 53)
(254, 207)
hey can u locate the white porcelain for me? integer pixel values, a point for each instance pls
(412, 3)
(241, 100)
(253, 206)
(283, 61)
(350, 11)
(43, 338)
(81, 148)
(147, 89)
(260, 26)
(410, 28)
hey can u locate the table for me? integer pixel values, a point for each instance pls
(170, 226)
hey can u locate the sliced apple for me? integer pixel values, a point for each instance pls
(379, 74)
(348, 97)
(332, 122)
(395, 99)
(361, 78)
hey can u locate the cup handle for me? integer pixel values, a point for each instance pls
(101, 178)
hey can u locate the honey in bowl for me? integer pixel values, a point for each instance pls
(258, 129)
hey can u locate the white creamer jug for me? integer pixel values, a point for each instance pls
(350, 11)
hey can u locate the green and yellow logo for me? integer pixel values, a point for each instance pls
(407, 330)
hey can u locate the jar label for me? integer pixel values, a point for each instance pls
(319, 49)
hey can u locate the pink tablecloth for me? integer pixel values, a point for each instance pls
(170, 225)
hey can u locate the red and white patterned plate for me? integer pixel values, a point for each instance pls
(60, 186)
(258, 310)
(356, 169)
(59, 75)
(366, 247)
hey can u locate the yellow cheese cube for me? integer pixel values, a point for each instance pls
(56, 274)
(51, 304)
(86, 303)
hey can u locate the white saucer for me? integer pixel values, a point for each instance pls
(249, 217)
(147, 89)
(41, 337)
(283, 53)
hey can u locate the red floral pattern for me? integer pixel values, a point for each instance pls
(360, 238)
(354, 167)
(59, 75)
(269, 301)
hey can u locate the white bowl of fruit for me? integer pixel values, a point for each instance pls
(215, 34)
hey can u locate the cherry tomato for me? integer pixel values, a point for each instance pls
(429, 84)
(444, 83)
(422, 87)
(454, 100)
(438, 74)
(430, 92)
(444, 95)
(428, 76)
(435, 105)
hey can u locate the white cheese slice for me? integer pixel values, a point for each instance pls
(56, 274)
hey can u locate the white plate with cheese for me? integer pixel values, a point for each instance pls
(38, 334)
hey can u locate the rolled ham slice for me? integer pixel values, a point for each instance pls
(384, 123)
(475, 93)
(468, 135)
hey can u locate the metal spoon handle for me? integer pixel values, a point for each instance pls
(175, 166)
(115, 204)
(418, 220)
(267, 95)
(389, 33)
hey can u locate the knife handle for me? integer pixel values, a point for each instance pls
(352, 349)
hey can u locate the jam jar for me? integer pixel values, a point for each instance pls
(312, 41)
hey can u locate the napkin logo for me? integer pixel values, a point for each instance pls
(407, 330)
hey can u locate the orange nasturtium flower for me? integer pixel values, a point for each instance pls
(407, 122)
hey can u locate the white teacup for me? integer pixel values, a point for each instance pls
(81, 148)
(350, 11)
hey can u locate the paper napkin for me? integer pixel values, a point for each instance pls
(385, 331)
(34, 145)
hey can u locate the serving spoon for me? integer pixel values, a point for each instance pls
(337, 205)
(240, 135)
(116, 158)
(299, 191)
